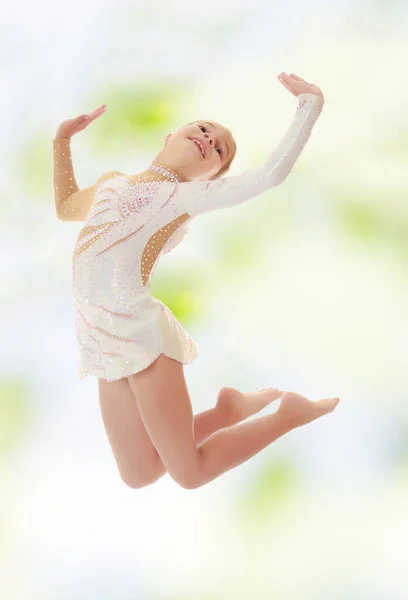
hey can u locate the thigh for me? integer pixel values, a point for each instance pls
(165, 408)
(135, 455)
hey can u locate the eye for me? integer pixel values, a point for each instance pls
(205, 129)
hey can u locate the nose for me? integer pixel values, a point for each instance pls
(208, 137)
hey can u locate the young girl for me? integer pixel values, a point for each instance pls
(130, 340)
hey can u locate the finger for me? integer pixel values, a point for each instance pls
(97, 110)
(287, 86)
(94, 115)
(102, 107)
(298, 78)
(283, 78)
(283, 82)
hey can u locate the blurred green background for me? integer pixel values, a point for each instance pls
(302, 288)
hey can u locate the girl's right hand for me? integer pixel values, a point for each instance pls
(72, 126)
(296, 85)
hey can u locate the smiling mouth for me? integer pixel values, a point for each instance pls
(199, 146)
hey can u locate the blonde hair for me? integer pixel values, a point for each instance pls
(225, 168)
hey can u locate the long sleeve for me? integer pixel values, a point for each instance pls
(71, 203)
(198, 197)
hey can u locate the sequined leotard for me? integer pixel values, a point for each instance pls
(129, 222)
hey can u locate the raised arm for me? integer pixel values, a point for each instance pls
(71, 203)
(198, 197)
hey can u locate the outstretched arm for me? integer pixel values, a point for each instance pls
(198, 197)
(71, 203)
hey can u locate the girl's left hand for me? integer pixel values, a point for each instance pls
(296, 85)
(69, 127)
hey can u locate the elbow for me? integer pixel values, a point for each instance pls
(278, 180)
(61, 216)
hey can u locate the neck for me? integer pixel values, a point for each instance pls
(166, 170)
(166, 158)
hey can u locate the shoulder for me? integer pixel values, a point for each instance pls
(110, 175)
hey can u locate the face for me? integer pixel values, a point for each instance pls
(198, 150)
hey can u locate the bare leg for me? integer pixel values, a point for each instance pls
(234, 445)
(136, 457)
(232, 407)
(165, 408)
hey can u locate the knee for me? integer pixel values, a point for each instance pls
(189, 480)
(135, 483)
(187, 484)
(139, 480)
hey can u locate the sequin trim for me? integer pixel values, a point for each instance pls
(137, 197)
(166, 171)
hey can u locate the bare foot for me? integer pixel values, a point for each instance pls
(298, 410)
(239, 406)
